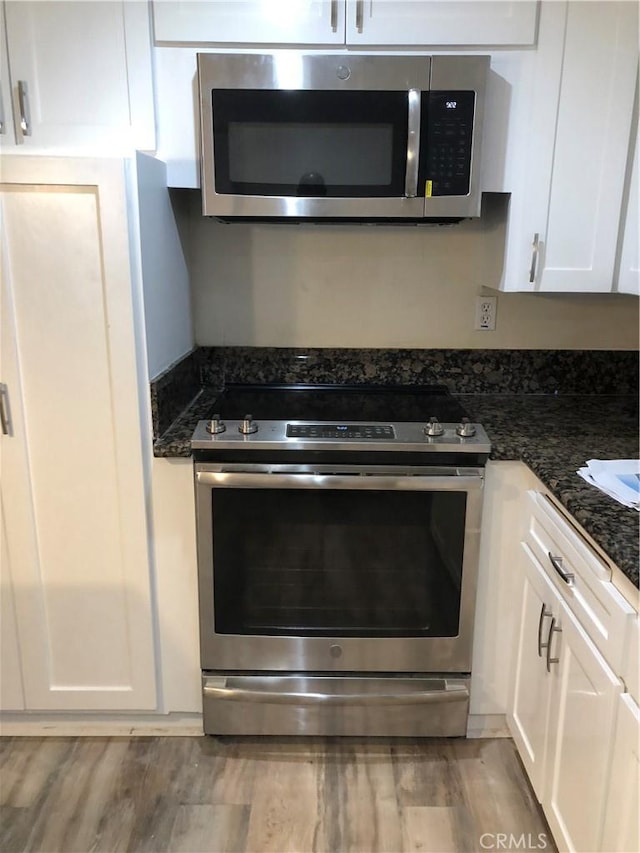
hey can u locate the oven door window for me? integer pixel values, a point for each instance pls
(302, 143)
(342, 563)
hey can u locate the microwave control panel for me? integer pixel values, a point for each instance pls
(449, 137)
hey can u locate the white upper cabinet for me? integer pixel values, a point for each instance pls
(628, 275)
(449, 22)
(566, 207)
(80, 76)
(250, 21)
(6, 117)
(354, 22)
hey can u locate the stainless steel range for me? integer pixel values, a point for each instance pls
(338, 535)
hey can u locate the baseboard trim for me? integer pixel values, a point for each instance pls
(29, 724)
(487, 725)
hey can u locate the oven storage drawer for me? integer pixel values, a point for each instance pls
(328, 705)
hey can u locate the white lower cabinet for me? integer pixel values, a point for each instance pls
(174, 534)
(622, 816)
(562, 713)
(73, 490)
(567, 705)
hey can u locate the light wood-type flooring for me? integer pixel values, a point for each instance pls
(193, 794)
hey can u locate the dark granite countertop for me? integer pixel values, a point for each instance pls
(553, 435)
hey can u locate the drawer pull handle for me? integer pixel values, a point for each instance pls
(552, 630)
(568, 577)
(543, 613)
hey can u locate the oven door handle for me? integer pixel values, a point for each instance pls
(238, 689)
(388, 482)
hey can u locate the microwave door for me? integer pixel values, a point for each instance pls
(300, 153)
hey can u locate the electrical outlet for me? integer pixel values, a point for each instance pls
(486, 308)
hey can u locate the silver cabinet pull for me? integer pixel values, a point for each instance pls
(568, 577)
(334, 15)
(359, 15)
(543, 614)
(3, 123)
(552, 630)
(5, 411)
(534, 258)
(413, 145)
(23, 106)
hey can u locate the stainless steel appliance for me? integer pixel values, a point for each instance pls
(341, 136)
(337, 560)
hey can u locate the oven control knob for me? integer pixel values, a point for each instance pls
(248, 425)
(215, 425)
(434, 427)
(465, 428)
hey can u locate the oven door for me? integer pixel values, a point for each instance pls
(330, 569)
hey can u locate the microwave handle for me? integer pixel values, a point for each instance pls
(413, 144)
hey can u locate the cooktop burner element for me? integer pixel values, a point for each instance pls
(339, 417)
(374, 403)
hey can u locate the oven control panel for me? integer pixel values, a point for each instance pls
(248, 434)
(367, 432)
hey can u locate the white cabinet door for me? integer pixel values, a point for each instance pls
(622, 817)
(368, 22)
(176, 569)
(497, 621)
(567, 208)
(245, 22)
(529, 709)
(447, 22)
(628, 279)
(584, 696)
(80, 75)
(7, 136)
(11, 692)
(72, 475)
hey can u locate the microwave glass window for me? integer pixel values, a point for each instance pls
(255, 151)
(323, 143)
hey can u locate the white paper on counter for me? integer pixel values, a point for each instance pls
(618, 478)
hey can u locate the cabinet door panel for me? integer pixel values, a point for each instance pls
(250, 22)
(578, 244)
(622, 817)
(7, 136)
(11, 692)
(73, 59)
(479, 22)
(529, 708)
(585, 692)
(76, 528)
(629, 264)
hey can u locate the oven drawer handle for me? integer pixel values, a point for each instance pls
(213, 688)
(238, 480)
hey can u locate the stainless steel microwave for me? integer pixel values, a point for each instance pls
(291, 135)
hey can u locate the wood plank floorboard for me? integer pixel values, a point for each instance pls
(254, 795)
